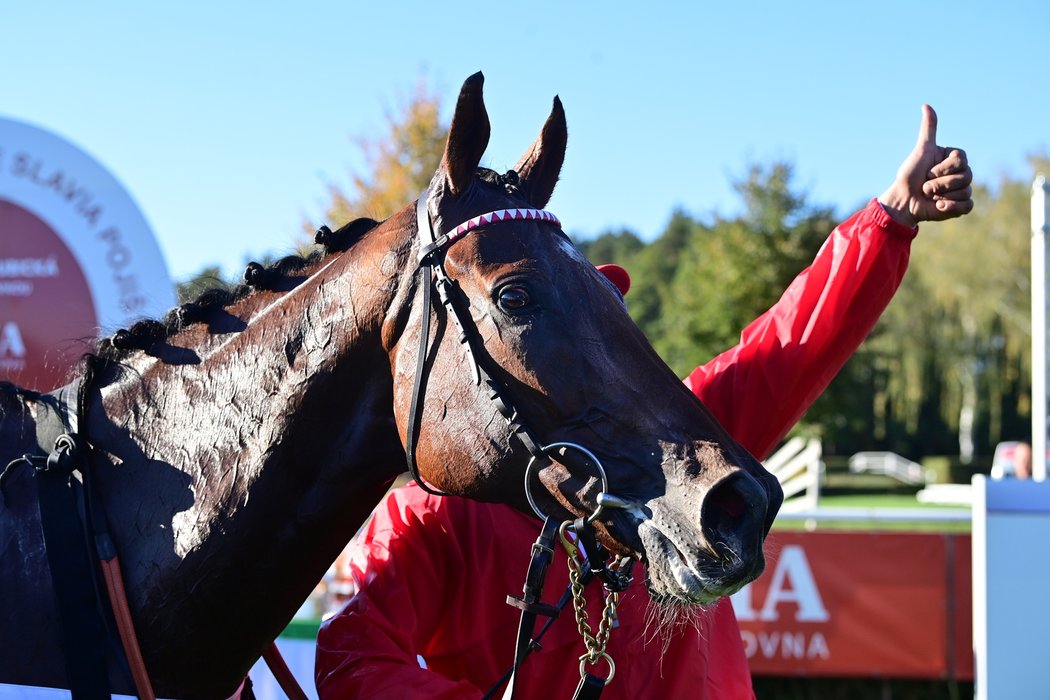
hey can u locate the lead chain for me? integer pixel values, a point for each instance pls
(595, 643)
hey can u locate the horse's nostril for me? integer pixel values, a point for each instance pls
(728, 501)
(732, 511)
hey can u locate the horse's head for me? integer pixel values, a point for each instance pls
(556, 338)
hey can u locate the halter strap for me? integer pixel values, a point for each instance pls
(426, 238)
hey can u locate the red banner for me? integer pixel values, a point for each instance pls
(47, 314)
(860, 604)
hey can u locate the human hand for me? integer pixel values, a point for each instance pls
(933, 182)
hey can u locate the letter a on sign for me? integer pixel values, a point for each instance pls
(792, 582)
(11, 341)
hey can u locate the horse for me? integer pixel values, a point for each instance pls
(238, 443)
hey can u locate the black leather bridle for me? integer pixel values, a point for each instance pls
(433, 246)
(432, 276)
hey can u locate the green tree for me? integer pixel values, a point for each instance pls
(208, 278)
(612, 247)
(728, 272)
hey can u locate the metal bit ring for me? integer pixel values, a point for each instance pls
(546, 452)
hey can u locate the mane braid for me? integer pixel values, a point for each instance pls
(346, 236)
(488, 176)
(268, 278)
(143, 335)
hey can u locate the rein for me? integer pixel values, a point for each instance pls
(432, 275)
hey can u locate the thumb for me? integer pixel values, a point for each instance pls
(928, 128)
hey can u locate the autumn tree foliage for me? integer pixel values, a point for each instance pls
(398, 164)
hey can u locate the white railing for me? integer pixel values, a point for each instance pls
(799, 469)
(889, 464)
(849, 514)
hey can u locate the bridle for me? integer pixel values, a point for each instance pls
(432, 275)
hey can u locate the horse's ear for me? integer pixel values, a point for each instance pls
(468, 136)
(539, 168)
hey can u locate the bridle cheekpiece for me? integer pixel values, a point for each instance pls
(433, 275)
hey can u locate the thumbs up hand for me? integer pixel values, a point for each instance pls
(933, 182)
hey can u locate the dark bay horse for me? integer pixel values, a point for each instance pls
(238, 445)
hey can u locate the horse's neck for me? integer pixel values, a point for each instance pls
(249, 469)
(284, 396)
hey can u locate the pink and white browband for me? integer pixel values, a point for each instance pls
(502, 215)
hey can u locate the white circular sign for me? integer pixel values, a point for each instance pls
(77, 257)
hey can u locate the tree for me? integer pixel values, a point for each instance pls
(722, 275)
(960, 327)
(208, 278)
(399, 163)
(612, 246)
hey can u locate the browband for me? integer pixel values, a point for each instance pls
(437, 242)
(503, 215)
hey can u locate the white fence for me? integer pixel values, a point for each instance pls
(799, 469)
(888, 464)
(849, 514)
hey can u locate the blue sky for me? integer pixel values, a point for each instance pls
(226, 121)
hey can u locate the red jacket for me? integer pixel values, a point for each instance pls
(432, 574)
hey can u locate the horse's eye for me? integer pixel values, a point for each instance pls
(513, 298)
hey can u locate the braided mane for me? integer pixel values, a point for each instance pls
(144, 334)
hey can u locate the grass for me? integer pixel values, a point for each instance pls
(879, 500)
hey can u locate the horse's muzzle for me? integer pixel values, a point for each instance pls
(697, 557)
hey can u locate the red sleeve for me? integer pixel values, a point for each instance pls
(787, 356)
(369, 649)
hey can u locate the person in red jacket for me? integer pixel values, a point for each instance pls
(428, 618)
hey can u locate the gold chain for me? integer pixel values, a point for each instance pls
(595, 643)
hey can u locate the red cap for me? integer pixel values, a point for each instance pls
(617, 275)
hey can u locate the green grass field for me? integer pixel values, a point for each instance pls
(864, 501)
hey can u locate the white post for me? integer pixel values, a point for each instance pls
(1040, 231)
(1011, 565)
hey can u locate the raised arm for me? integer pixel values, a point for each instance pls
(786, 358)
